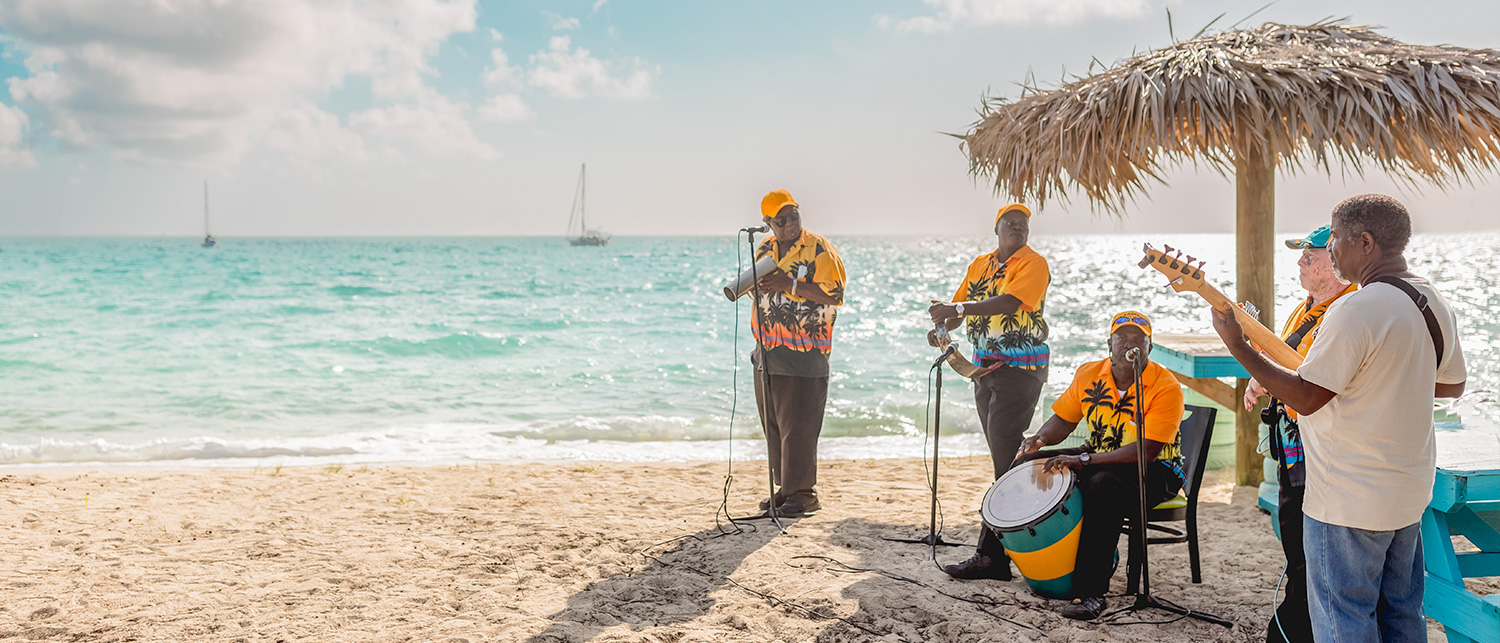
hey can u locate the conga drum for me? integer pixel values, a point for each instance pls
(1038, 517)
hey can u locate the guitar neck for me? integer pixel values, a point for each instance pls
(1261, 336)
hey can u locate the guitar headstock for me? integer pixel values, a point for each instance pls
(1184, 275)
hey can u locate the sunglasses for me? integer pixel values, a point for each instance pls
(1132, 320)
(781, 221)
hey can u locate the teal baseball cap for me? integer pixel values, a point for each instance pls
(1318, 239)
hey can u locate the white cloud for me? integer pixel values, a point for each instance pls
(502, 73)
(495, 35)
(574, 73)
(598, 4)
(192, 80)
(560, 23)
(14, 153)
(946, 14)
(433, 124)
(506, 108)
(307, 134)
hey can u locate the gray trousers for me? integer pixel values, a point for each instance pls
(1006, 399)
(792, 419)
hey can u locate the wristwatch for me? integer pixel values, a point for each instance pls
(959, 308)
(1083, 457)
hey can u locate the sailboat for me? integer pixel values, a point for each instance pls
(208, 239)
(586, 237)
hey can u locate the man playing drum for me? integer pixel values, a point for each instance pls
(1103, 394)
(1000, 301)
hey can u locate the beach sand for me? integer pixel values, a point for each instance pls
(552, 552)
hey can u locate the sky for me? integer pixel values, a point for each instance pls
(464, 117)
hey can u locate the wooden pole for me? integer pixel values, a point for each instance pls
(1255, 231)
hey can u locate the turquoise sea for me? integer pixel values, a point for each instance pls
(311, 351)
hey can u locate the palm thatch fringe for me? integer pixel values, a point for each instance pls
(1302, 94)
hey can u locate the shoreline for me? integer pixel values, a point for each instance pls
(552, 552)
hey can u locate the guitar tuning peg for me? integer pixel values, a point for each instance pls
(1190, 259)
(1166, 247)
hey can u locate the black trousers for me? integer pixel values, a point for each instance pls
(1292, 616)
(793, 419)
(1109, 495)
(1006, 399)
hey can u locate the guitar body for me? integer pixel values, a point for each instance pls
(1186, 277)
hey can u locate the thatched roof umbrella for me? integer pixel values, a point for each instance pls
(1249, 101)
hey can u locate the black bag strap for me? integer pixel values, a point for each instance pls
(1421, 301)
(1295, 339)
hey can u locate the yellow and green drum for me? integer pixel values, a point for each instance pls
(1038, 517)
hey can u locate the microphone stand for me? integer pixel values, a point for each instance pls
(1143, 597)
(933, 539)
(765, 379)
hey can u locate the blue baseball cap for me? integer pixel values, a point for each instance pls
(1318, 239)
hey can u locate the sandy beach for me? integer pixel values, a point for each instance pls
(553, 552)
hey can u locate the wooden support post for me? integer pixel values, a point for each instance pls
(1255, 243)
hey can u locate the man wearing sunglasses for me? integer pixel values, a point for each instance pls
(1000, 303)
(799, 302)
(1291, 623)
(1103, 395)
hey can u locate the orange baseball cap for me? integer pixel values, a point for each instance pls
(1014, 206)
(1130, 318)
(774, 202)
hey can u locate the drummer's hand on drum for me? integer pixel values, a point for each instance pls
(1058, 463)
(1031, 445)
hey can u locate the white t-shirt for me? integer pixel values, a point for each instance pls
(1371, 455)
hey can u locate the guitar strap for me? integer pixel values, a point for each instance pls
(1295, 339)
(1421, 301)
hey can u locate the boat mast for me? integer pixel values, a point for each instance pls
(583, 198)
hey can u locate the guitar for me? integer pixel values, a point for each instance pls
(1187, 277)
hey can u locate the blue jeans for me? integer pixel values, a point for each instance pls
(1364, 586)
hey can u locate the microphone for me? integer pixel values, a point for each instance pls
(951, 349)
(758, 228)
(1132, 354)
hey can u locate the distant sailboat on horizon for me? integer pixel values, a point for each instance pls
(208, 238)
(586, 237)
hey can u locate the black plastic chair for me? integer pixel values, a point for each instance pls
(1197, 432)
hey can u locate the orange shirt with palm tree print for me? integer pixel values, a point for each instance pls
(1016, 339)
(798, 333)
(1110, 413)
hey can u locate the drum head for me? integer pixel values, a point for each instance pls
(1025, 496)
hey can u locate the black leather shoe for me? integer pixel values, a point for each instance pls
(765, 505)
(980, 566)
(1084, 609)
(798, 507)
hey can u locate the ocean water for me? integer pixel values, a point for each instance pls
(314, 351)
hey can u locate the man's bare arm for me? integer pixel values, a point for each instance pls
(1300, 395)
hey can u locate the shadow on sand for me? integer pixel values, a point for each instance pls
(674, 587)
(677, 584)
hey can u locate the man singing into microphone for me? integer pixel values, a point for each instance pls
(1000, 302)
(798, 302)
(1103, 395)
